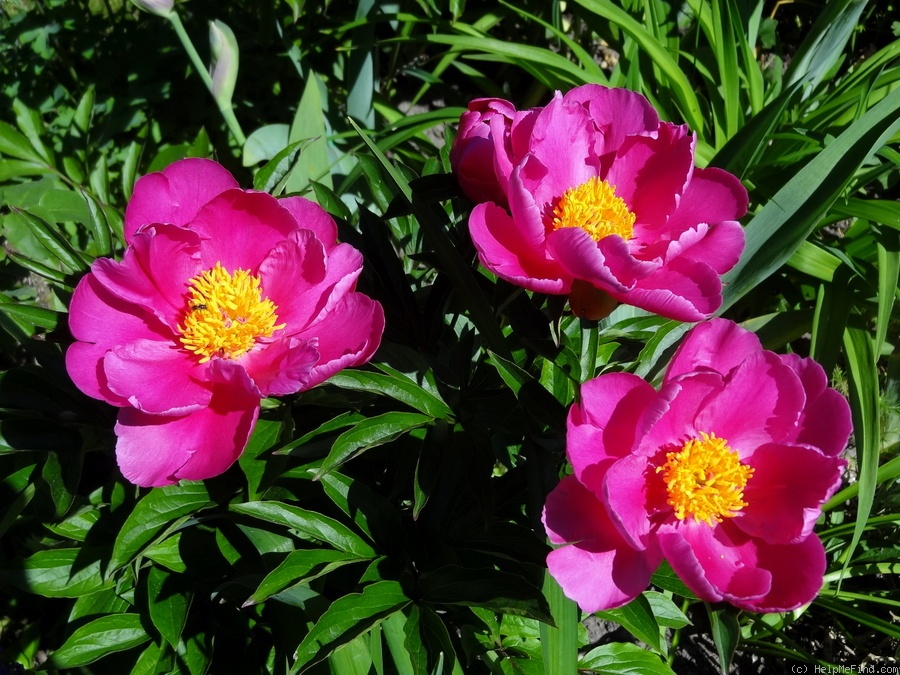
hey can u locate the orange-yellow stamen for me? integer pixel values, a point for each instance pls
(226, 314)
(594, 207)
(705, 480)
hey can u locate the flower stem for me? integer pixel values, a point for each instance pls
(225, 108)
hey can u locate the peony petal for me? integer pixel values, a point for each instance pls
(502, 251)
(822, 403)
(650, 174)
(155, 271)
(609, 267)
(683, 289)
(598, 570)
(238, 229)
(785, 494)
(617, 114)
(714, 562)
(283, 367)
(311, 216)
(155, 450)
(797, 571)
(760, 403)
(633, 493)
(346, 336)
(175, 194)
(157, 377)
(679, 403)
(717, 345)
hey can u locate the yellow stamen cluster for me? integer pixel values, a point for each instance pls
(226, 314)
(705, 480)
(594, 207)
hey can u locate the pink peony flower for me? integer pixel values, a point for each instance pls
(722, 472)
(223, 297)
(593, 197)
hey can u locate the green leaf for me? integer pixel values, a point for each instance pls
(152, 513)
(167, 553)
(559, 645)
(796, 209)
(94, 640)
(57, 573)
(268, 178)
(38, 316)
(300, 567)
(309, 525)
(346, 618)
(309, 125)
(84, 111)
(54, 241)
(666, 612)
(266, 142)
(888, 244)
(638, 619)
(168, 604)
(397, 387)
(14, 144)
(30, 123)
(369, 433)
(623, 659)
(726, 633)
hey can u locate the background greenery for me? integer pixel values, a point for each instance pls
(388, 521)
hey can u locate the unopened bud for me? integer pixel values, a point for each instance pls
(223, 68)
(161, 8)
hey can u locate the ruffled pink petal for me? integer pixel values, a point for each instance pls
(101, 321)
(282, 367)
(157, 377)
(719, 345)
(719, 246)
(717, 563)
(562, 142)
(785, 494)
(346, 336)
(598, 569)
(175, 194)
(633, 493)
(684, 290)
(238, 229)
(797, 571)
(505, 252)
(760, 403)
(155, 450)
(678, 405)
(154, 271)
(822, 403)
(609, 267)
(311, 216)
(650, 174)
(590, 435)
(617, 114)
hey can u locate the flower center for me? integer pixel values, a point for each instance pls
(226, 314)
(705, 480)
(594, 207)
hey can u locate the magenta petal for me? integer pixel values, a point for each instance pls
(156, 377)
(718, 345)
(175, 194)
(598, 569)
(684, 290)
(238, 229)
(678, 405)
(760, 403)
(617, 113)
(311, 216)
(797, 571)
(716, 563)
(622, 396)
(785, 494)
(632, 492)
(155, 450)
(283, 367)
(581, 257)
(348, 335)
(154, 271)
(822, 403)
(501, 249)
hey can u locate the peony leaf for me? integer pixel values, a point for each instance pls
(369, 433)
(151, 514)
(623, 659)
(168, 604)
(726, 633)
(94, 640)
(57, 573)
(638, 619)
(399, 388)
(346, 618)
(298, 567)
(309, 525)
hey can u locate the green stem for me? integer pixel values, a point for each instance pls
(225, 108)
(559, 646)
